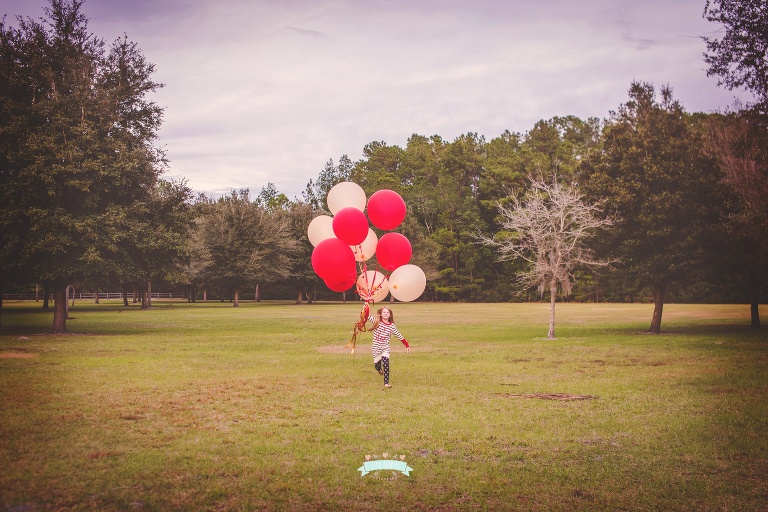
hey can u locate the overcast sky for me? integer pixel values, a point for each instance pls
(260, 91)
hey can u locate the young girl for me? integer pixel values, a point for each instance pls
(383, 328)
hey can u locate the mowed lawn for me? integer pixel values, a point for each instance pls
(209, 407)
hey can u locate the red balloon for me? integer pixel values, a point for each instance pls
(342, 286)
(333, 260)
(350, 225)
(393, 251)
(386, 209)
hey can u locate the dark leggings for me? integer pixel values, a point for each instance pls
(383, 366)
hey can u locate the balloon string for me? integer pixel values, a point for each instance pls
(359, 326)
(367, 295)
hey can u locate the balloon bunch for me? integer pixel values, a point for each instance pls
(345, 242)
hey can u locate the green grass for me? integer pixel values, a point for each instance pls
(210, 407)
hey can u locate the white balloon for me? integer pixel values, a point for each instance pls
(321, 228)
(372, 285)
(346, 194)
(367, 249)
(407, 283)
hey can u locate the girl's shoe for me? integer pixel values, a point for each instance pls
(387, 386)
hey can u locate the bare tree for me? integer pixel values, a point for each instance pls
(738, 141)
(549, 229)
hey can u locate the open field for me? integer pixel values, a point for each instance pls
(210, 407)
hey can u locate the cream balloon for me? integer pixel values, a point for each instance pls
(367, 249)
(372, 285)
(407, 283)
(321, 228)
(346, 194)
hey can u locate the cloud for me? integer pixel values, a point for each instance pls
(270, 90)
(305, 32)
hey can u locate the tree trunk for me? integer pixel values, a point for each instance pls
(257, 294)
(67, 302)
(46, 294)
(125, 296)
(552, 298)
(658, 307)
(205, 294)
(59, 309)
(299, 296)
(146, 297)
(37, 288)
(96, 300)
(236, 296)
(1, 304)
(754, 302)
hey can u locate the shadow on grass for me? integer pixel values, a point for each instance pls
(711, 329)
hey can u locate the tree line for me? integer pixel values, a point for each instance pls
(85, 203)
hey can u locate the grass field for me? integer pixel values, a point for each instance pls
(210, 407)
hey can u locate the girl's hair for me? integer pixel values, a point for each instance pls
(378, 317)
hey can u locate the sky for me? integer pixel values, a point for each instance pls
(268, 91)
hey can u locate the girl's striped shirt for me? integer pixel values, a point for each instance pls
(381, 335)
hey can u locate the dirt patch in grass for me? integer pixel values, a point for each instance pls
(361, 349)
(548, 396)
(336, 349)
(16, 354)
